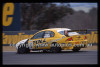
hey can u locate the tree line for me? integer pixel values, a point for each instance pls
(38, 16)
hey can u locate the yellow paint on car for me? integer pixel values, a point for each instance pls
(58, 38)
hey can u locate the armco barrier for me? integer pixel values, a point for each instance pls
(12, 37)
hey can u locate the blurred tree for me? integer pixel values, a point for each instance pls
(79, 20)
(41, 15)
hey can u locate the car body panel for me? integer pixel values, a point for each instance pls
(45, 43)
(58, 38)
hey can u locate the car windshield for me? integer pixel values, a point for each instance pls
(69, 33)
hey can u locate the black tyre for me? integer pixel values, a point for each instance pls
(45, 51)
(22, 49)
(76, 49)
(55, 49)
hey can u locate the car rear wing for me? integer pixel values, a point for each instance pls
(79, 31)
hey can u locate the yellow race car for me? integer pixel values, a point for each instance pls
(53, 40)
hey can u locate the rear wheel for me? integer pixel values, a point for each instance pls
(22, 49)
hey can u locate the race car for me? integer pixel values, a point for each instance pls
(53, 40)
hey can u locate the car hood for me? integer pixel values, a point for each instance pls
(21, 42)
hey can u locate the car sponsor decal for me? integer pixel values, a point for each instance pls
(30, 45)
(30, 40)
(39, 41)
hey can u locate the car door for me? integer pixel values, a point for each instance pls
(44, 40)
(36, 40)
(49, 36)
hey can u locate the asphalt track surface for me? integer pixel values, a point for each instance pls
(36, 58)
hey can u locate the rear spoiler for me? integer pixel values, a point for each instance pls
(79, 31)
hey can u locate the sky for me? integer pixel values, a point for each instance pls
(82, 6)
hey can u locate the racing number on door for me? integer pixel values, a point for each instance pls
(8, 9)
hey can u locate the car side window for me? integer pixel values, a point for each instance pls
(61, 32)
(52, 34)
(38, 35)
(48, 34)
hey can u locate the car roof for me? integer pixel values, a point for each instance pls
(57, 29)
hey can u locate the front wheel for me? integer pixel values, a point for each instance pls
(76, 49)
(45, 51)
(22, 49)
(55, 49)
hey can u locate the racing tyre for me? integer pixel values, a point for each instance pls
(22, 49)
(76, 49)
(55, 49)
(45, 51)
